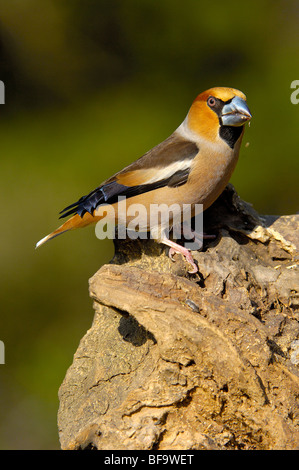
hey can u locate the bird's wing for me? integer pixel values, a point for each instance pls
(167, 164)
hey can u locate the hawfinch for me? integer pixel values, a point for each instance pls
(192, 166)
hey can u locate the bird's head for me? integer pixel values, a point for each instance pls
(219, 112)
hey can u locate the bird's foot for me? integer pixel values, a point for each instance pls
(206, 236)
(175, 248)
(196, 236)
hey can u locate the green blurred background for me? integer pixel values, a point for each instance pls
(90, 86)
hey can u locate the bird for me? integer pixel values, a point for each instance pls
(191, 166)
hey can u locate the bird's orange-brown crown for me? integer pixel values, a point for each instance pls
(223, 93)
(202, 119)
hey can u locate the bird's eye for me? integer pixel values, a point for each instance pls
(211, 101)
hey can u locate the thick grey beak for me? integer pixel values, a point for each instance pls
(235, 113)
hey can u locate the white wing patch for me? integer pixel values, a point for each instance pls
(168, 171)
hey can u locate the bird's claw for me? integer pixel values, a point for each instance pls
(187, 255)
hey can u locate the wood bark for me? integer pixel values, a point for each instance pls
(179, 361)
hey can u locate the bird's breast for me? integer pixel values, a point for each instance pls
(211, 172)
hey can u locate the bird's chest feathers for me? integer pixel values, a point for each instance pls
(212, 171)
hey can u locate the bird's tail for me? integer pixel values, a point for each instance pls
(74, 222)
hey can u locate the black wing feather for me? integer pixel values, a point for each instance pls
(109, 193)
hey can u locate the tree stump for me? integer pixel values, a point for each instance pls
(180, 361)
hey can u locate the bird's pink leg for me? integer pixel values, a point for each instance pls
(197, 237)
(175, 248)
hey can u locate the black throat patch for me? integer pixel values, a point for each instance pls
(230, 134)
